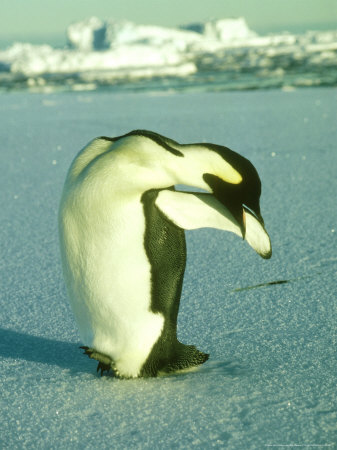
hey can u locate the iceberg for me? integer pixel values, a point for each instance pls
(220, 54)
(223, 30)
(96, 34)
(87, 35)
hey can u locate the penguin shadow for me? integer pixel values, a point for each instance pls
(226, 369)
(66, 355)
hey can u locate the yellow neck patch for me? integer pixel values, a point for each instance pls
(229, 175)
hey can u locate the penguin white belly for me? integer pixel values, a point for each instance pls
(109, 280)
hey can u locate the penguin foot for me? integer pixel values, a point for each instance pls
(188, 356)
(178, 357)
(104, 362)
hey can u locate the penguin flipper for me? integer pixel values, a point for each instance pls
(192, 210)
(104, 362)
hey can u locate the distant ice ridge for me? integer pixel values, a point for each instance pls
(31, 59)
(219, 54)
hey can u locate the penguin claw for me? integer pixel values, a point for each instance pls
(104, 362)
(87, 350)
(102, 367)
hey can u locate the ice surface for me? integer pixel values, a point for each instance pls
(271, 377)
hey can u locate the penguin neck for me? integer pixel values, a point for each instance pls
(150, 167)
(189, 168)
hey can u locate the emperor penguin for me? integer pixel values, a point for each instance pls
(121, 228)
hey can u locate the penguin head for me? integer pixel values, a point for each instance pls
(240, 196)
(154, 161)
(230, 177)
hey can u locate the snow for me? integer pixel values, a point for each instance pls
(271, 377)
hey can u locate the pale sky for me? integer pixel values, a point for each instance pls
(20, 17)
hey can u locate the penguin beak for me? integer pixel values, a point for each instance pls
(248, 218)
(256, 234)
(252, 228)
(243, 228)
(239, 213)
(233, 198)
(228, 195)
(254, 213)
(243, 224)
